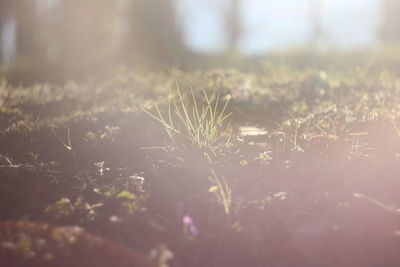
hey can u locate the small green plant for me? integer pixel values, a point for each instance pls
(221, 189)
(396, 128)
(200, 124)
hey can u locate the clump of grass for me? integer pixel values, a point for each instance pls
(201, 124)
(222, 190)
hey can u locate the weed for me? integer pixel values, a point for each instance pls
(221, 189)
(201, 125)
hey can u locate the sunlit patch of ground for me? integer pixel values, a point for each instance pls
(303, 172)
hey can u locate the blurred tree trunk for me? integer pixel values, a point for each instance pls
(83, 36)
(27, 28)
(30, 61)
(390, 29)
(6, 13)
(153, 35)
(3, 19)
(233, 24)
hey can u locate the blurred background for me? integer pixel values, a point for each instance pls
(59, 40)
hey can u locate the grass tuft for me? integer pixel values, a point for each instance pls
(201, 124)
